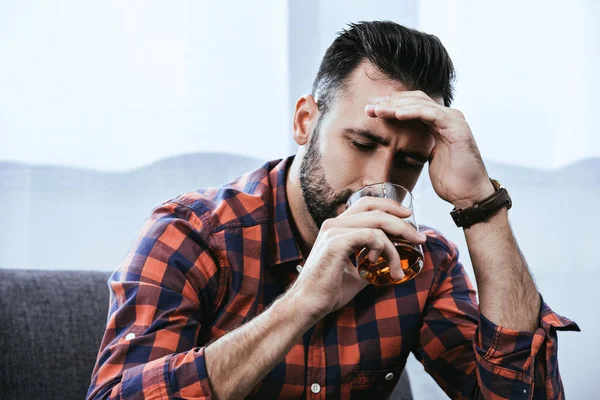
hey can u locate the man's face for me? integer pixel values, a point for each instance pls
(349, 150)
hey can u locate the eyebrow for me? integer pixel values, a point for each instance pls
(367, 134)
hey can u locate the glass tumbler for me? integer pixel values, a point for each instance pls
(411, 254)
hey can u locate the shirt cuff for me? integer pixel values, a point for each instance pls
(180, 375)
(145, 381)
(513, 350)
(506, 358)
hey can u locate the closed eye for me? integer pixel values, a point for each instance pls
(364, 146)
(403, 161)
(412, 165)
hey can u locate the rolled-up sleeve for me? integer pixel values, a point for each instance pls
(158, 297)
(471, 357)
(174, 376)
(521, 363)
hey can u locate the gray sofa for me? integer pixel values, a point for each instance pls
(50, 330)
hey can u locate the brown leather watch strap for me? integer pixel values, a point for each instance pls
(482, 210)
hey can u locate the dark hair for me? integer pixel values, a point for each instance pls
(416, 59)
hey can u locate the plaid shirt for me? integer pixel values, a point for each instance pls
(209, 261)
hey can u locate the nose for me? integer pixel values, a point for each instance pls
(379, 169)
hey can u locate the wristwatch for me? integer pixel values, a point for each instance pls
(482, 210)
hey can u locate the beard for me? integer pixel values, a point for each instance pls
(321, 199)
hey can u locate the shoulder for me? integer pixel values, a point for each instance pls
(242, 202)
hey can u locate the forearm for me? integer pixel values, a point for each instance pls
(237, 361)
(507, 293)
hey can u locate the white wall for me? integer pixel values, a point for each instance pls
(115, 85)
(527, 75)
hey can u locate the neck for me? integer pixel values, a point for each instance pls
(306, 229)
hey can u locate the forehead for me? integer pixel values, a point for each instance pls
(366, 83)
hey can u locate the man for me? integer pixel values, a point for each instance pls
(209, 302)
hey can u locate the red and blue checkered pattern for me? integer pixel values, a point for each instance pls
(210, 260)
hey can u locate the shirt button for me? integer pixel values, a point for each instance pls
(299, 268)
(315, 388)
(130, 336)
(389, 376)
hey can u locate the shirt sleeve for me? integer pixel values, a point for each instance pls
(158, 297)
(470, 357)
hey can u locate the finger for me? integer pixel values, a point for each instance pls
(354, 279)
(369, 203)
(400, 101)
(376, 241)
(344, 242)
(429, 114)
(377, 219)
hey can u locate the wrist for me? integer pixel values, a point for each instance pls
(293, 305)
(486, 191)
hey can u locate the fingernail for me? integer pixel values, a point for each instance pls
(422, 235)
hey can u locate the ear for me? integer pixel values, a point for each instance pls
(305, 117)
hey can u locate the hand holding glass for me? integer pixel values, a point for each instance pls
(411, 254)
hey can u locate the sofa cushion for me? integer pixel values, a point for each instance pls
(51, 326)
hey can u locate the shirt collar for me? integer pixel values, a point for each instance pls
(282, 246)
